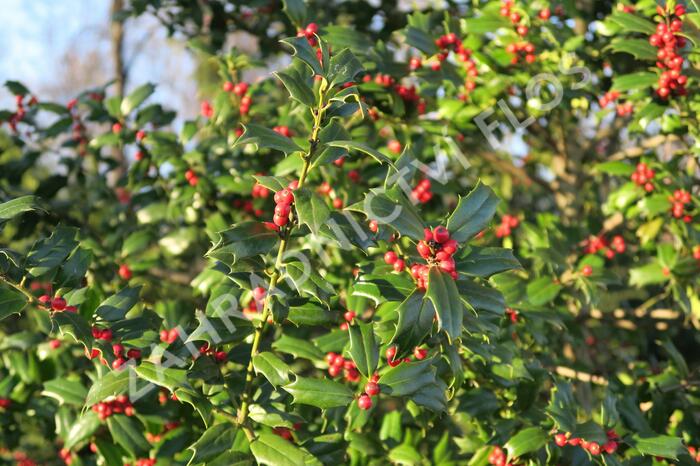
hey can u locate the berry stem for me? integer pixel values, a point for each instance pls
(276, 273)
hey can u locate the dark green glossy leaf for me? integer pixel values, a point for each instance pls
(443, 293)
(266, 138)
(128, 432)
(11, 302)
(117, 306)
(272, 450)
(321, 393)
(214, 441)
(272, 367)
(136, 98)
(473, 213)
(526, 441)
(311, 209)
(363, 348)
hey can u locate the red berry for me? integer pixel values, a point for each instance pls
(399, 265)
(440, 234)
(394, 146)
(349, 315)
(58, 304)
(125, 272)
(228, 86)
(372, 388)
(420, 353)
(560, 440)
(587, 270)
(364, 402)
(390, 257)
(117, 128)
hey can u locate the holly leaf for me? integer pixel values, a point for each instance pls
(272, 367)
(214, 441)
(128, 432)
(304, 52)
(118, 305)
(484, 262)
(307, 281)
(296, 83)
(472, 213)
(391, 207)
(266, 138)
(311, 209)
(82, 429)
(526, 441)
(363, 348)
(11, 302)
(136, 98)
(443, 293)
(111, 384)
(414, 322)
(15, 207)
(66, 391)
(656, 445)
(321, 393)
(407, 378)
(273, 450)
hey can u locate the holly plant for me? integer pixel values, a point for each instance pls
(453, 233)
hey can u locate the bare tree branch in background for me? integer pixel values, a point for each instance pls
(117, 35)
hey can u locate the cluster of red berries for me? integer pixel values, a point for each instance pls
(694, 454)
(169, 336)
(408, 94)
(119, 405)
(680, 198)
(643, 176)
(125, 272)
(19, 114)
(56, 303)
(337, 364)
(283, 130)
(240, 89)
(5, 403)
(284, 199)
(123, 357)
(248, 207)
(449, 42)
(594, 448)
(206, 110)
(422, 193)
(191, 177)
(599, 243)
(608, 98)
(102, 334)
(390, 355)
(219, 356)
(392, 259)
(349, 316)
(497, 457)
(259, 191)
(508, 222)
(66, 456)
(155, 438)
(22, 459)
(514, 17)
(437, 249)
(521, 50)
(309, 32)
(364, 401)
(671, 81)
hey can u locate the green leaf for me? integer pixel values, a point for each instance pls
(639, 48)
(321, 393)
(243, 240)
(484, 262)
(273, 450)
(391, 207)
(311, 209)
(17, 88)
(296, 11)
(647, 275)
(415, 322)
(481, 298)
(66, 391)
(168, 377)
(526, 441)
(117, 306)
(628, 82)
(50, 253)
(266, 138)
(136, 98)
(364, 148)
(485, 24)
(659, 445)
(75, 325)
(111, 384)
(214, 441)
(633, 23)
(297, 86)
(363, 348)
(562, 407)
(381, 288)
(304, 52)
(11, 302)
(112, 104)
(407, 378)
(542, 291)
(615, 167)
(473, 213)
(272, 367)
(443, 293)
(306, 280)
(405, 454)
(343, 68)
(11, 209)
(128, 432)
(298, 348)
(82, 429)
(421, 40)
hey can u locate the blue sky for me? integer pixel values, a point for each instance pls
(36, 34)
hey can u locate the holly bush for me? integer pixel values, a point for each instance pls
(452, 233)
